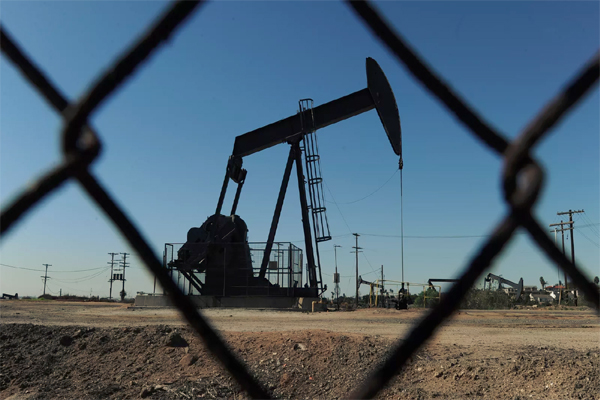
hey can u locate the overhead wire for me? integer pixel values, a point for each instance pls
(368, 262)
(451, 236)
(425, 236)
(85, 278)
(588, 220)
(589, 240)
(53, 271)
(333, 237)
(370, 194)
(28, 269)
(73, 289)
(338, 207)
(49, 289)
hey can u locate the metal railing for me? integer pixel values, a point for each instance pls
(283, 274)
(522, 178)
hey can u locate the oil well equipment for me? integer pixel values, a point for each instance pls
(517, 287)
(217, 259)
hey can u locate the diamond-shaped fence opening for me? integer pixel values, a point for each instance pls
(81, 145)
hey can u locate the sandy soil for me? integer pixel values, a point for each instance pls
(116, 351)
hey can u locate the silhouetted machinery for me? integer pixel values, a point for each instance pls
(501, 281)
(219, 249)
(372, 285)
(399, 302)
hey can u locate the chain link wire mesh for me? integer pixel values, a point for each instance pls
(522, 178)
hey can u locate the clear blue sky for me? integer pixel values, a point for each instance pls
(236, 66)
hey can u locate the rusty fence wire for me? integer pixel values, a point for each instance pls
(522, 178)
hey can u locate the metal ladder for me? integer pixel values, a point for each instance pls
(313, 172)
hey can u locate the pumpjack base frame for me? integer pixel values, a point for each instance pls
(248, 302)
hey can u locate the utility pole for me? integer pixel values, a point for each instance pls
(570, 212)
(381, 286)
(112, 262)
(336, 278)
(124, 263)
(562, 232)
(46, 276)
(356, 235)
(556, 244)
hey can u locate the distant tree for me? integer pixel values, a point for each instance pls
(486, 300)
(430, 301)
(543, 282)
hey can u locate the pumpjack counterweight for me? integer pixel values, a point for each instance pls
(212, 247)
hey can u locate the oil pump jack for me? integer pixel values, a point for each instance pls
(400, 301)
(372, 285)
(501, 281)
(219, 248)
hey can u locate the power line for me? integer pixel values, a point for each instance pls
(426, 236)
(84, 278)
(28, 269)
(333, 237)
(588, 220)
(41, 270)
(369, 195)
(368, 262)
(50, 290)
(352, 276)
(75, 290)
(590, 240)
(453, 236)
(589, 225)
(338, 208)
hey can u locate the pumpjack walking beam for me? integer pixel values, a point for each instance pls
(430, 281)
(378, 95)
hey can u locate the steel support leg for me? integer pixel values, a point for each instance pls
(310, 257)
(276, 214)
(223, 191)
(237, 198)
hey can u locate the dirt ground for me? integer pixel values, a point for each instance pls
(66, 350)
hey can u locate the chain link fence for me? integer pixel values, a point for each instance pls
(522, 178)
